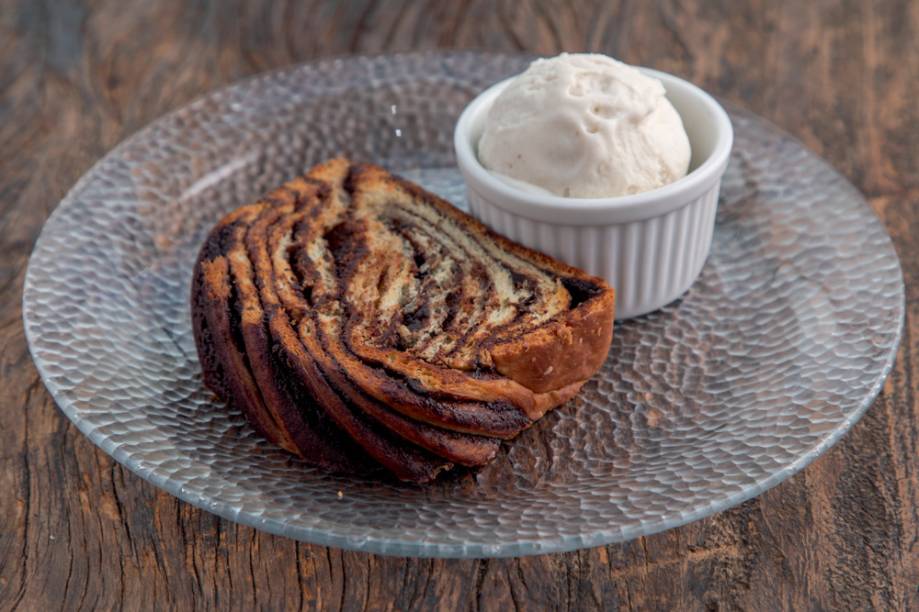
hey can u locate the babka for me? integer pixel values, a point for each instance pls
(358, 320)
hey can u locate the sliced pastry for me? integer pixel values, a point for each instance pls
(358, 320)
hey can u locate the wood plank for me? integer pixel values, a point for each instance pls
(80, 532)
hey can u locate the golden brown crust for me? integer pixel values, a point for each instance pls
(568, 350)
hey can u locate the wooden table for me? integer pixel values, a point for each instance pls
(78, 531)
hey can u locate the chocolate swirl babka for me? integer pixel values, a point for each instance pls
(356, 320)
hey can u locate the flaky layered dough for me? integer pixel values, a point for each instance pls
(357, 320)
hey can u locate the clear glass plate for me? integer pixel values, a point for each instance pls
(772, 355)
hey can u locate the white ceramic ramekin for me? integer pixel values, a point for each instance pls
(649, 246)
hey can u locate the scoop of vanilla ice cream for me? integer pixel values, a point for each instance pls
(585, 126)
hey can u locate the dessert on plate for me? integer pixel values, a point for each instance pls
(358, 320)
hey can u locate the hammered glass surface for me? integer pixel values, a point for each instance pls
(769, 358)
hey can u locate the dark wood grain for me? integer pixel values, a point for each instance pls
(79, 532)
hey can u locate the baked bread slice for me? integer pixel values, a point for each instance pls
(356, 319)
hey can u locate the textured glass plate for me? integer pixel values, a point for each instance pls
(772, 355)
